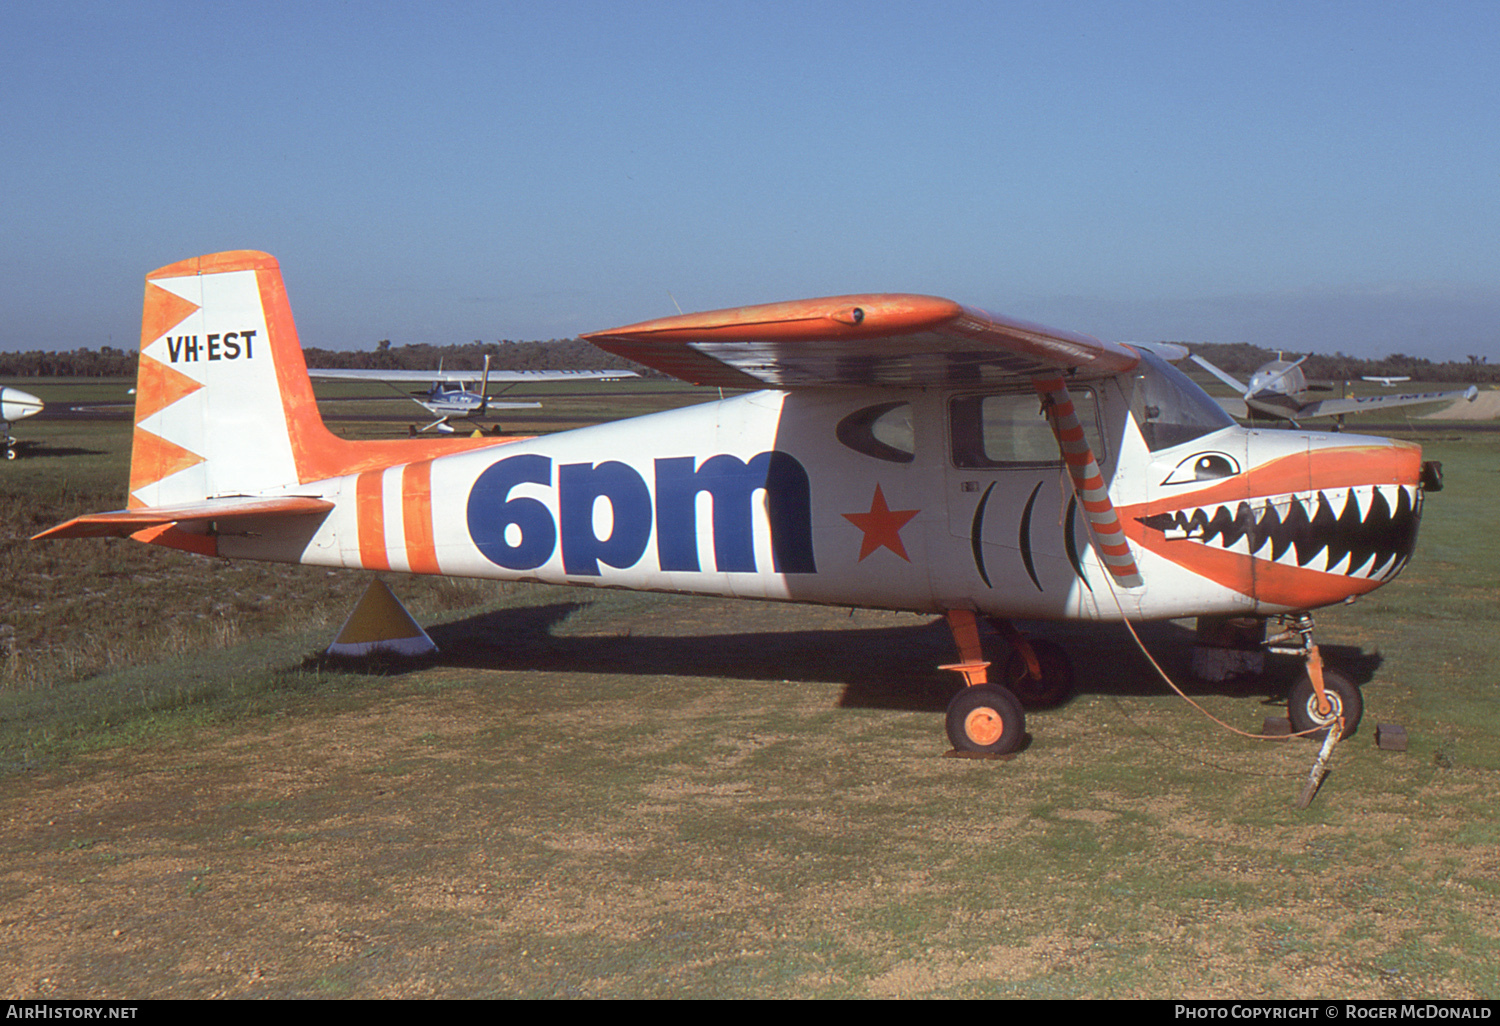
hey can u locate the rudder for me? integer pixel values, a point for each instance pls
(224, 406)
(213, 401)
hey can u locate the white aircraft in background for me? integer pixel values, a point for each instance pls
(1388, 382)
(451, 397)
(15, 405)
(901, 452)
(1278, 390)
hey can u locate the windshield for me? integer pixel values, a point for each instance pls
(1169, 408)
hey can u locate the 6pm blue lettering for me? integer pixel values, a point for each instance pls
(521, 533)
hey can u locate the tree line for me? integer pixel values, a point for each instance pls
(553, 354)
(574, 354)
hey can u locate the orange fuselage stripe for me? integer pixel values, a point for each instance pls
(370, 513)
(416, 517)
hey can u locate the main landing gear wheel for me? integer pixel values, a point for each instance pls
(1344, 700)
(1056, 684)
(986, 719)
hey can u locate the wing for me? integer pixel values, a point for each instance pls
(1359, 404)
(1169, 351)
(427, 377)
(885, 339)
(1222, 375)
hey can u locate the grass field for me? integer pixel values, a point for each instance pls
(611, 794)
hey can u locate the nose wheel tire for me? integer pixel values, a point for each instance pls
(1344, 700)
(986, 719)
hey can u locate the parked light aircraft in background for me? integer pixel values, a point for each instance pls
(450, 396)
(15, 405)
(901, 452)
(1388, 382)
(1278, 390)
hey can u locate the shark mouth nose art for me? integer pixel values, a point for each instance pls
(1300, 531)
(1366, 532)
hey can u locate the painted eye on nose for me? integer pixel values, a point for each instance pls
(1203, 466)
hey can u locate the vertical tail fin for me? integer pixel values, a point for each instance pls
(223, 402)
(221, 375)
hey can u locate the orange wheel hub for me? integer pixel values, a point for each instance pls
(984, 726)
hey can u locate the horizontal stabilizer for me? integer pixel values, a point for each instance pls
(122, 523)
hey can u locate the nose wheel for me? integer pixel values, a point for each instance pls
(1342, 702)
(1321, 697)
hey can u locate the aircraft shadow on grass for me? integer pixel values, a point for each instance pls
(29, 449)
(892, 667)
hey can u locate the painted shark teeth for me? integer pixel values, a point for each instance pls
(1366, 532)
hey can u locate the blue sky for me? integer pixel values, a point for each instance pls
(1302, 175)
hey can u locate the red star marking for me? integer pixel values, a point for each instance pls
(882, 526)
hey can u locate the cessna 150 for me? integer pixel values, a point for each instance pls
(450, 397)
(901, 453)
(15, 405)
(1278, 390)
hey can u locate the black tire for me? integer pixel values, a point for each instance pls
(1056, 685)
(1343, 694)
(986, 719)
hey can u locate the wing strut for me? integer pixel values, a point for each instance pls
(1088, 483)
(484, 387)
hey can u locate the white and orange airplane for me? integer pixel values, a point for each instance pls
(15, 405)
(900, 452)
(449, 395)
(1280, 391)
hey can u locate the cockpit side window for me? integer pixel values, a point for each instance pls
(1010, 430)
(1169, 408)
(883, 431)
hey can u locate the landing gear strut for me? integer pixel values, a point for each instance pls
(983, 718)
(1321, 698)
